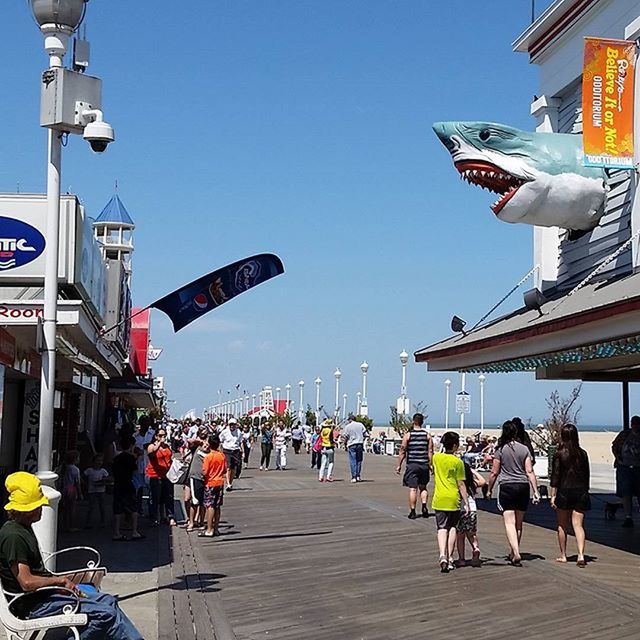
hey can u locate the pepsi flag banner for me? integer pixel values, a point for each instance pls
(188, 303)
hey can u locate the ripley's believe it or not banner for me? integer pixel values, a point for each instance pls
(607, 103)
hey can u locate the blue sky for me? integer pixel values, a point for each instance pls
(301, 127)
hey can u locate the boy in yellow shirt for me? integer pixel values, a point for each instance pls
(449, 475)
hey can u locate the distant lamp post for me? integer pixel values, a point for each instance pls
(253, 403)
(481, 379)
(364, 404)
(358, 407)
(318, 382)
(344, 406)
(463, 391)
(403, 401)
(301, 405)
(287, 388)
(278, 400)
(246, 403)
(337, 374)
(447, 391)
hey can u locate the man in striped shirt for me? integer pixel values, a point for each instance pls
(417, 449)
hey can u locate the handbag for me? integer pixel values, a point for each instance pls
(177, 473)
(317, 445)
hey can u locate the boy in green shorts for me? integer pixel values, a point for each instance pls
(449, 475)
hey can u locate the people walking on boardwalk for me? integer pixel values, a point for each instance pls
(247, 441)
(316, 448)
(280, 443)
(354, 435)
(231, 442)
(468, 524)
(325, 473)
(450, 489)
(417, 449)
(570, 490)
(214, 469)
(143, 436)
(266, 446)
(513, 470)
(626, 453)
(195, 482)
(297, 438)
(96, 476)
(160, 488)
(125, 503)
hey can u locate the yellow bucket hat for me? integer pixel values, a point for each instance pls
(25, 492)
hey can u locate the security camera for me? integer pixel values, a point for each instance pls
(99, 135)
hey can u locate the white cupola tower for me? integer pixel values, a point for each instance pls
(113, 229)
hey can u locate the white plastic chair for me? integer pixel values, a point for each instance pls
(36, 628)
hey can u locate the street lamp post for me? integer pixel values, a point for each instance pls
(462, 391)
(57, 21)
(337, 374)
(403, 401)
(344, 406)
(288, 390)
(278, 400)
(246, 403)
(447, 390)
(318, 382)
(301, 405)
(481, 379)
(364, 404)
(358, 407)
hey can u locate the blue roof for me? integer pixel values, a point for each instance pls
(115, 211)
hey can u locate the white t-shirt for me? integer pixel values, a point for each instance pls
(229, 440)
(93, 476)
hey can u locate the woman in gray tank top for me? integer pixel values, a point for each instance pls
(513, 470)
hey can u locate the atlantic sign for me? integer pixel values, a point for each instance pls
(20, 243)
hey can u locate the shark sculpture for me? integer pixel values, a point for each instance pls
(539, 176)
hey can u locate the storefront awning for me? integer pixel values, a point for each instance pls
(593, 333)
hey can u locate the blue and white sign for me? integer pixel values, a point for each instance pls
(20, 243)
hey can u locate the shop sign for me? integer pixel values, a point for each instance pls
(20, 314)
(20, 243)
(607, 103)
(30, 427)
(7, 348)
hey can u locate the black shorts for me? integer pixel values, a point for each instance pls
(513, 496)
(124, 502)
(447, 519)
(197, 491)
(573, 499)
(627, 481)
(234, 458)
(416, 475)
(213, 497)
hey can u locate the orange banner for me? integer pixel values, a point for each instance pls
(607, 103)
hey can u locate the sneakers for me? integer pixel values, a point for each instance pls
(412, 514)
(329, 479)
(320, 479)
(425, 511)
(358, 479)
(628, 523)
(353, 481)
(261, 468)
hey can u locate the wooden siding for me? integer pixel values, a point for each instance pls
(580, 257)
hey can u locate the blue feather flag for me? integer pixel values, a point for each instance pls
(193, 300)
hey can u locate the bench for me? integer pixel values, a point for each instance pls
(70, 617)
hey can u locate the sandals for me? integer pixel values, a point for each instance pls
(205, 534)
(581, 563)
(444, 564)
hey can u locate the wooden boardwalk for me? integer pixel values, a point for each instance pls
(299, 559)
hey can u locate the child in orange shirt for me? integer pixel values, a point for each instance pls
(214, 467)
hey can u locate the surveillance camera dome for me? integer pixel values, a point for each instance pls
(99, 135)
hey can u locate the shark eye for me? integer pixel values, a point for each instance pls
(484, 135)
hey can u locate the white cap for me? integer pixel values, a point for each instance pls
(232, 421)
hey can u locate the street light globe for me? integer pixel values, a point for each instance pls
(65, 13)
(287, 386)
(482, 377)
(404, 357)
(447, 382)
(277, 389)
(318, 380)
(338, 374)
(301, 383)
(364, 367)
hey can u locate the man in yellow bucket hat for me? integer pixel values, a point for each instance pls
(22, 569)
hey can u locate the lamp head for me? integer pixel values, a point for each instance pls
(63, 13)
(364, 367)
(287, 386)
(404, 357)
(457, 325)
(301, 383)
(534, 299)
(318, 380)
(482, 377)
(337, 373)
(447, 382)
